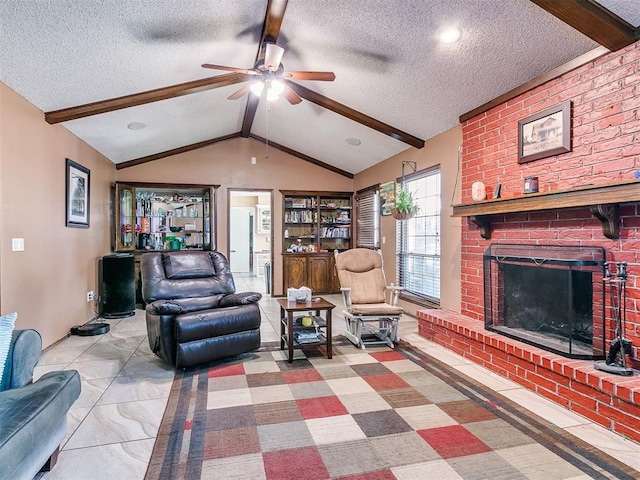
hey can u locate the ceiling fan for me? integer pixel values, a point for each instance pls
(269, 72)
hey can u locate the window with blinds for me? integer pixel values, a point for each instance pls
(368, 218)
(418, 240)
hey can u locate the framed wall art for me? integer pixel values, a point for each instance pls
(545, 134)
(387, 196)
(263, 215)
(77, 195)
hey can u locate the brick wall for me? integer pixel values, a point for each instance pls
(605, 95)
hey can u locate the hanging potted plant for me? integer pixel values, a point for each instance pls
(405, 206)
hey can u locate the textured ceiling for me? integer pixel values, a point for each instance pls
(385, 55)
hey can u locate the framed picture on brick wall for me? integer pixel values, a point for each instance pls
(545, 134)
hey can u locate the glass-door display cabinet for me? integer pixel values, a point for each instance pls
(152, 217)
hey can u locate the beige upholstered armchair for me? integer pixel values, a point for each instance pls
(371, 318)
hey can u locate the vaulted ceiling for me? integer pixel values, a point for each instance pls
(101, 68)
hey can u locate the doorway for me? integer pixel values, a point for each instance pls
(250, 234)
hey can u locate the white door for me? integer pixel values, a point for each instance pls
(240, 219)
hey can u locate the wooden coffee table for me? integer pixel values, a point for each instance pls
(289, 326)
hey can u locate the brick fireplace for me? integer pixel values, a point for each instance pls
(587, 197)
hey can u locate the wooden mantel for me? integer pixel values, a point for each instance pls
(603, 201)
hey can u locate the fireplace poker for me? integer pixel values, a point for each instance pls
(620, 347)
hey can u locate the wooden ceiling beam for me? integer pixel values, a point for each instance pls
(272, 23)
(354, 115)
(593, 20)
(302, 156)
(206, 143)
(270, 32)
(249, 115)
(164, 93)
(175, 151)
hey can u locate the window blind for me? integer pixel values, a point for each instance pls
(368, 218)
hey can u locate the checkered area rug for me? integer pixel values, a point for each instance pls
(368, 415)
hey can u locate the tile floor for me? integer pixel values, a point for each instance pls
(112, 426)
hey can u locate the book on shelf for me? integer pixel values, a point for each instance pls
(336, 232)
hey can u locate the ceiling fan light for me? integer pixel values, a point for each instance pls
(273, 56)
(272, 95)
(276, 86)
(257, 87)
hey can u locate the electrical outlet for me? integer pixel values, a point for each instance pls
(90, 296)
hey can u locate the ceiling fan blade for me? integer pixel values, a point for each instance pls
(320, 76)
(354, 115)
(292, 97)
(240, 93)
(104, 106)
(229, 69)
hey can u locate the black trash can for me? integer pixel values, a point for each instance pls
(267, 277)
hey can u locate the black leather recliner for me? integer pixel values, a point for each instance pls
(193, 314)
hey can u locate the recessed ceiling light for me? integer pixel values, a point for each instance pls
(354, 141)
(449, 34)
(136, 126)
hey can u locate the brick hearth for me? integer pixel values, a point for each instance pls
(612, 401)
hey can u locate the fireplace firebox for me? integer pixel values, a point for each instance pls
(547, 295)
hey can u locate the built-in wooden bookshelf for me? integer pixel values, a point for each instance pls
(314, 225)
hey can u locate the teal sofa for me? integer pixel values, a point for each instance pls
(33, 415)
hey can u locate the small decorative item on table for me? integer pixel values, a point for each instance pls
(299, 295)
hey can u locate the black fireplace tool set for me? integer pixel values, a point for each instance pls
(616, 362)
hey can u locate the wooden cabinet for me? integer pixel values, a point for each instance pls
(314, 225)
(294, 271)
(314, 270)
(319, 272)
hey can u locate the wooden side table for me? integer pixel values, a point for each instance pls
(288, 328)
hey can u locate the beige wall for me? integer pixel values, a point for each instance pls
(48, 282)
(228, 164)
(441, 150)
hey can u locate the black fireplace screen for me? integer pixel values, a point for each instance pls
(548, 296)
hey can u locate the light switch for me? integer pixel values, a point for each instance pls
(17, 244)
(384, 240)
